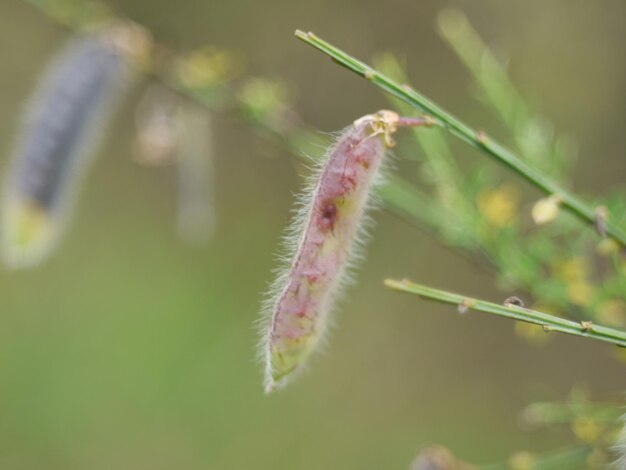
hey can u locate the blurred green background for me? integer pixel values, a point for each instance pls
(130, 350)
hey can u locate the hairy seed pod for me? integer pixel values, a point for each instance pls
(63, 122)
(326, 230)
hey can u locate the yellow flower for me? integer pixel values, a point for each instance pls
(573, 270)
(522, 461)
(580, 293)
(612, 312)
(499, 205)
(208, 67)
(586, 429)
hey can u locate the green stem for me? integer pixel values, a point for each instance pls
(549, 322)
(473, 137)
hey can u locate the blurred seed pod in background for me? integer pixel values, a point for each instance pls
(157, 127)
(171, 130)
(64, 122)
(320, 246)
(195, 166)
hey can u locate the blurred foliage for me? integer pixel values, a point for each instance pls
(568, 271)
(563, 270)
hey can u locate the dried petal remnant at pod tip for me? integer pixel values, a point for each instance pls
(63, 123)
(324, 235)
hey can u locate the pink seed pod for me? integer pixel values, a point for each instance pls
(325, 233)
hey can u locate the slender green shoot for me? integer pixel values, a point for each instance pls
(596, 217)
(509, 310)
(539, 147)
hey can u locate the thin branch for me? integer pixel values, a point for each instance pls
(477, 139)
(549, 322)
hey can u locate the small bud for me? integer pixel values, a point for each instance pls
(324, 236)
(602, 214)
(465, 305)
(545, 210)
(481, 137)
(586, 325)
(156, 121)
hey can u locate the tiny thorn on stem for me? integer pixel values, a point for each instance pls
(513, 310)
(586, 325)
(481, 137)
(369, 74)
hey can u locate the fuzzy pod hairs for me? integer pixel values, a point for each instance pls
(323, 238)
(63, 122)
